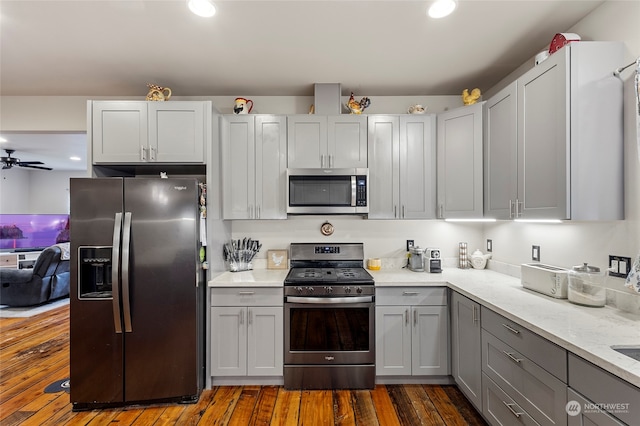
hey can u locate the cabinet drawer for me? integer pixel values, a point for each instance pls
(499, 409)
(8, 261)
(411, 296)
(548, 355)
(588, 416)
(247, 296)
(538, 392)
(602, 387)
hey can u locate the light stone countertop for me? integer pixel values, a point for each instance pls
(587, 332)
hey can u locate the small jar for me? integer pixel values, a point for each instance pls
(586, 286)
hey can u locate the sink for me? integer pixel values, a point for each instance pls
(630, 351)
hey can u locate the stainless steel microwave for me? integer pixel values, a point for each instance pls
(328, 191)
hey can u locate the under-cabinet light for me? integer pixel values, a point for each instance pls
(470, 220)
(74, 158)
(538, 220)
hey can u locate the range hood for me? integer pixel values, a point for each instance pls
(327, 98)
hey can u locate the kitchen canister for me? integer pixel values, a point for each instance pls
(586, 286)
(374, 264)
(463, 257)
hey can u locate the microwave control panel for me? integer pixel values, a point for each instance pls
(361, 191)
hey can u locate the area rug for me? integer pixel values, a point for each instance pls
(29, 311)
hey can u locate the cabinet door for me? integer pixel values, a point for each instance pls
(500, 154)
(238, 166)
(384, 166)
(393, 340)
(265, 341)
(176, 132)
(307, 141)
(417, 166)
(460, 162)
(347, 141)
(543, 140)
(466, 349)
(228, 341)
(271, 167)
(119, 131)
(430, 341)
(578, 416)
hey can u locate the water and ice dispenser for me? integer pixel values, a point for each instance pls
(94, 271)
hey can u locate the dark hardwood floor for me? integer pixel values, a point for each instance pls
(34, 353)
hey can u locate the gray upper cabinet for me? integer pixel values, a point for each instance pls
(569, 143)
(459, 150)
(144, 132)
(402, 166)
(253, 166)
(319, 141)
(500, 153)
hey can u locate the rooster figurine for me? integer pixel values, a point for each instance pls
(357, 107)
(470, 99)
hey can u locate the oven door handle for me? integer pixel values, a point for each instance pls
(329, 300)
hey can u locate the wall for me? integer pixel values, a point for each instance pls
(28, 191)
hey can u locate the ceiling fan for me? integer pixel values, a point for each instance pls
(9, 161)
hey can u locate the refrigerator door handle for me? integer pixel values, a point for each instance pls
(115, 271)
(126, 259)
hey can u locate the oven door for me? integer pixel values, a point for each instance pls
(329, 330)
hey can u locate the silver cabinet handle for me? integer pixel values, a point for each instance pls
(403, 211)
(410, 293)
(246, 293)
(395, 211)
(115, 273)
(406, 317)
(511, 329)
(415, 318)
(514, 412)
(241, 316)
(511, 204)
(143, 153)
(152, 154)
(257, 212)
(331, 161)
(512, 357)
(475, 314)
(126, 260)
(441, 211)
(250, 317)
(519, 207)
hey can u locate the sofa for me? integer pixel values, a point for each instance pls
(46, 281)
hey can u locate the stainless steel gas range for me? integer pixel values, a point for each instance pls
(329, 318)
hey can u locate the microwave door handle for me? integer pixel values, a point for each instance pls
(115, 273)
(353, 191)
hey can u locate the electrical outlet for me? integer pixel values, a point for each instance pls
(619, 266)
(410, 244)
(489, 246)
(535, 253)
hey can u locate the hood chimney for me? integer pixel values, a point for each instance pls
(327, 98)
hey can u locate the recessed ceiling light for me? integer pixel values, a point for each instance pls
(74, 158)
(204, 8)
(442, 8)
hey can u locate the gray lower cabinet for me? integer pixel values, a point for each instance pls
(620, 399)
(412, 332)
(582, 412)
(524, 367)
(466, 347)
(246, 334)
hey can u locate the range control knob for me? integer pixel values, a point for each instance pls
(328, 289)
(358, 290)
(310, 289)
(347, 289)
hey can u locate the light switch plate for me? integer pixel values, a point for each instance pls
(620, 266)
(535, 253)
(489, 246)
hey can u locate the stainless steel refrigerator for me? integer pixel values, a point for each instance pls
(137, 292)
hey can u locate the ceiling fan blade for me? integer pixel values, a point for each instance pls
(30, 162)
(34, 167)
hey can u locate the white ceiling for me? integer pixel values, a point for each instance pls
(254, 48)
